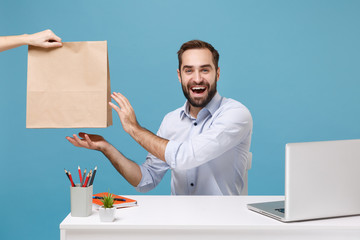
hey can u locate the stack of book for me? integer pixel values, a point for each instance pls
(119, 201)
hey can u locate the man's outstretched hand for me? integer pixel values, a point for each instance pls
(89, 141)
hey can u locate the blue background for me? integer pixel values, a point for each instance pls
(294, 64)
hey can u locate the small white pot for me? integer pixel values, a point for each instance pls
(107, 214)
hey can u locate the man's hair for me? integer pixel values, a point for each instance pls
(198, 44)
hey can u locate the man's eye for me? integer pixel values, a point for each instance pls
(205, 70)
(188, 70)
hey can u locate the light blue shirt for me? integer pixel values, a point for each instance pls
(206, 155)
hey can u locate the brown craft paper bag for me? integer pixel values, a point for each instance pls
(69, 87)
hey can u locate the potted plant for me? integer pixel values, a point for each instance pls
(107, 211)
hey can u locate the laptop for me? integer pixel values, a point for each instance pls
(322, 180)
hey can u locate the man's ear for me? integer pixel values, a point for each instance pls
(218, 74)
(179, 75)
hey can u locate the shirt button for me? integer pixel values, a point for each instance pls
(195, 124)
(191, 184)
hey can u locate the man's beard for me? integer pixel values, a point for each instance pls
(200, 102)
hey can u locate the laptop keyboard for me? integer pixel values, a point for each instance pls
(282, 210)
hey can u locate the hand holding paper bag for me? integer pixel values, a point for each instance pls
(69, 87)
(45, 39)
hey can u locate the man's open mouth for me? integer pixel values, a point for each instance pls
(198, 89)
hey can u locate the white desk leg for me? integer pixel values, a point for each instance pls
(62, 234)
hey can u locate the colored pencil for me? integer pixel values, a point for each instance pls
(83, 178)
(79, 173)
(86, 180)
(71, 180)
(69, 177)
(66, 173)
(93, 176)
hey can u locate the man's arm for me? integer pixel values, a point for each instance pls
(45, 39)
(127, 168)
(148, 140)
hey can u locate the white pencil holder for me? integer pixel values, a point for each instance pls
(81, 201)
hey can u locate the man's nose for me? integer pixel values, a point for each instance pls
(197, 77)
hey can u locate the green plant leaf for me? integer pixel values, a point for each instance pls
(108, 200)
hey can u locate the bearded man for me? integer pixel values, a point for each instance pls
(205, 143)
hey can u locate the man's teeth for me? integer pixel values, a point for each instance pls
(198, 88)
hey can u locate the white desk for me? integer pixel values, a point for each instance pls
(203, 217)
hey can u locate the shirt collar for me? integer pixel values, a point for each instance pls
(211, 107)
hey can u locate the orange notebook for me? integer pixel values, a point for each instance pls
(126, 202)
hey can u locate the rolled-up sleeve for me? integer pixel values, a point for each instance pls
(227, 130)
(171, 152)
(152, 170)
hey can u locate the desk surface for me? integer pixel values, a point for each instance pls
(201, 212)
